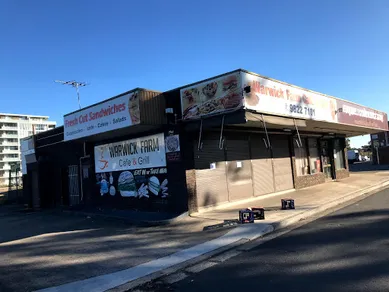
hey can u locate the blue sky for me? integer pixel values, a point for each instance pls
(335, 47)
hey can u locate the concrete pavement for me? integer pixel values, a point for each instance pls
(75, 252)
(343, 251)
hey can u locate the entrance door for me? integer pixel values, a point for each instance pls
(74, 187)
(326, 159)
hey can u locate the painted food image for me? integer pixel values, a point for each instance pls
(210, 89)
(164, 188)
(112, 190)
(191, 111)
(190, 99)
(126, 185)
(133, 108)
(231, 100)
(229, 83)
(172, 143)
(154, 185)
(143, 191)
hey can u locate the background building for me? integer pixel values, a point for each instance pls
(14, 127)
(380, 147)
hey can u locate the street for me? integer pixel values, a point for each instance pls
(44, 249)
(344, 251)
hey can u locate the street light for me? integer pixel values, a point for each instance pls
(76, 85)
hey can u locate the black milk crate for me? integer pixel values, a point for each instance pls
(287, 204)
(246, 216)
(259, 213)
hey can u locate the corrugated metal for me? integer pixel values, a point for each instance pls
(152, 108)
(281, 163)
(211, 184)
(239, 177)
(262, 166)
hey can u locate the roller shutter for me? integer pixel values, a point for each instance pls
(281, 163)
(239, 177)
(211, 184)
(262, 166)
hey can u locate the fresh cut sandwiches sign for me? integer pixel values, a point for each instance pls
(139, 153)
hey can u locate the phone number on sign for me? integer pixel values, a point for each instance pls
(298, 109)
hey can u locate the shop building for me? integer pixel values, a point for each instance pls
(380, 147)
(232, 137)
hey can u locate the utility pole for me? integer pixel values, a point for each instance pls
(76, 85)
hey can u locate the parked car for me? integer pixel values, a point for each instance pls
(353, 156)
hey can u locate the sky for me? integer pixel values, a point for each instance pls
(335, 47)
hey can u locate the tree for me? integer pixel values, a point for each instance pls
(348, 142)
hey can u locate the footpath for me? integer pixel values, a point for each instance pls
(114, 257)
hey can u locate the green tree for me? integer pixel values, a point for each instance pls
(348, 143)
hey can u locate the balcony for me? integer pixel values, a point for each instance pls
(11, 159)
(13, 174)
(6, 143)
(8, 128)
(12, 120)
(9, 136)
(9, 151)
(5, 167)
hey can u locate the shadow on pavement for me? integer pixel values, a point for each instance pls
(43, 249)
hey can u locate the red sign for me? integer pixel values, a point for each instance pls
(356, 115)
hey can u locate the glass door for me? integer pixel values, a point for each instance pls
(326, 159)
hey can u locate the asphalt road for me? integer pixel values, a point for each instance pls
(344, 251)
(48, 248)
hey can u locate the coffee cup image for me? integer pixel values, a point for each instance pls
(126, 185)
(154, 185)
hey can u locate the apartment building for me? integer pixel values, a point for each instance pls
(14, 127)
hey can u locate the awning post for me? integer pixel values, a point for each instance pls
(200, 144)
(221, 141)
(268, 145)
(300, 144)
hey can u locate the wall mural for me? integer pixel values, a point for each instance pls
(134, 168)
(141, 183)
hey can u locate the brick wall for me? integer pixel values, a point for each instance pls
(301, 182)
(342, 173)
(309, 180)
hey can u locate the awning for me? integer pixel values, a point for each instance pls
(274, 121)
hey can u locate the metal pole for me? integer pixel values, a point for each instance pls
(78, 96)
(378, 156)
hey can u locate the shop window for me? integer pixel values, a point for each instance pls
(314, 157)
(301, 156)
(339, 154)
